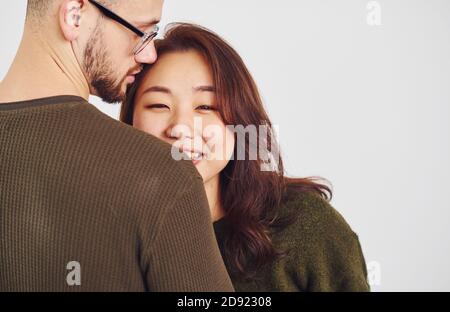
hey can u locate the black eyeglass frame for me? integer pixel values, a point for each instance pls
(146, 38)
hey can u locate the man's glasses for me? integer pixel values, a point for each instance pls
(146, 38)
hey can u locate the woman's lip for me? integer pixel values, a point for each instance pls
(190, 150)
(195, 160)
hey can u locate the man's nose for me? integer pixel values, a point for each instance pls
(148, 55)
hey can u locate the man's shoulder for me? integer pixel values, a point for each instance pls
(128, 152)
(134, 167)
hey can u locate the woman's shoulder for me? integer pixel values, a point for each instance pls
(310, 214)
(322, 251)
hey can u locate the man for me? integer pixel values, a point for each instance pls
(87, 203)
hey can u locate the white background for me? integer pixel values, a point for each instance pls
(367, 107)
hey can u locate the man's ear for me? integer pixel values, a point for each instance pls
(70, 18)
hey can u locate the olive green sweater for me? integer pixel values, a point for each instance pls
(90, 204)
(323, 253)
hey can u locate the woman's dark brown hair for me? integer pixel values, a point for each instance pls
(250, 197)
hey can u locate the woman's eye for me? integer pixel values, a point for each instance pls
(157, 106)
(206, 107)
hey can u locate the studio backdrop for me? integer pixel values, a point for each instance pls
(360, 93)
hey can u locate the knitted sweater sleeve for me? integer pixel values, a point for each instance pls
(326, 255)
(192, 262)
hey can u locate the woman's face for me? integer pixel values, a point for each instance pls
(176, 103)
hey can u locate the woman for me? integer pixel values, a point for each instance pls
(275, 233)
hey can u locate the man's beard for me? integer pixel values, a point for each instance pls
(99, 69)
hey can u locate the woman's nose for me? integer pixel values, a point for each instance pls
(180, 125)
(180, 131)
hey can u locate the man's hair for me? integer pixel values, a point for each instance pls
(37, 10)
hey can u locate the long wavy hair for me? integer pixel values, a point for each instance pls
(250, 196)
